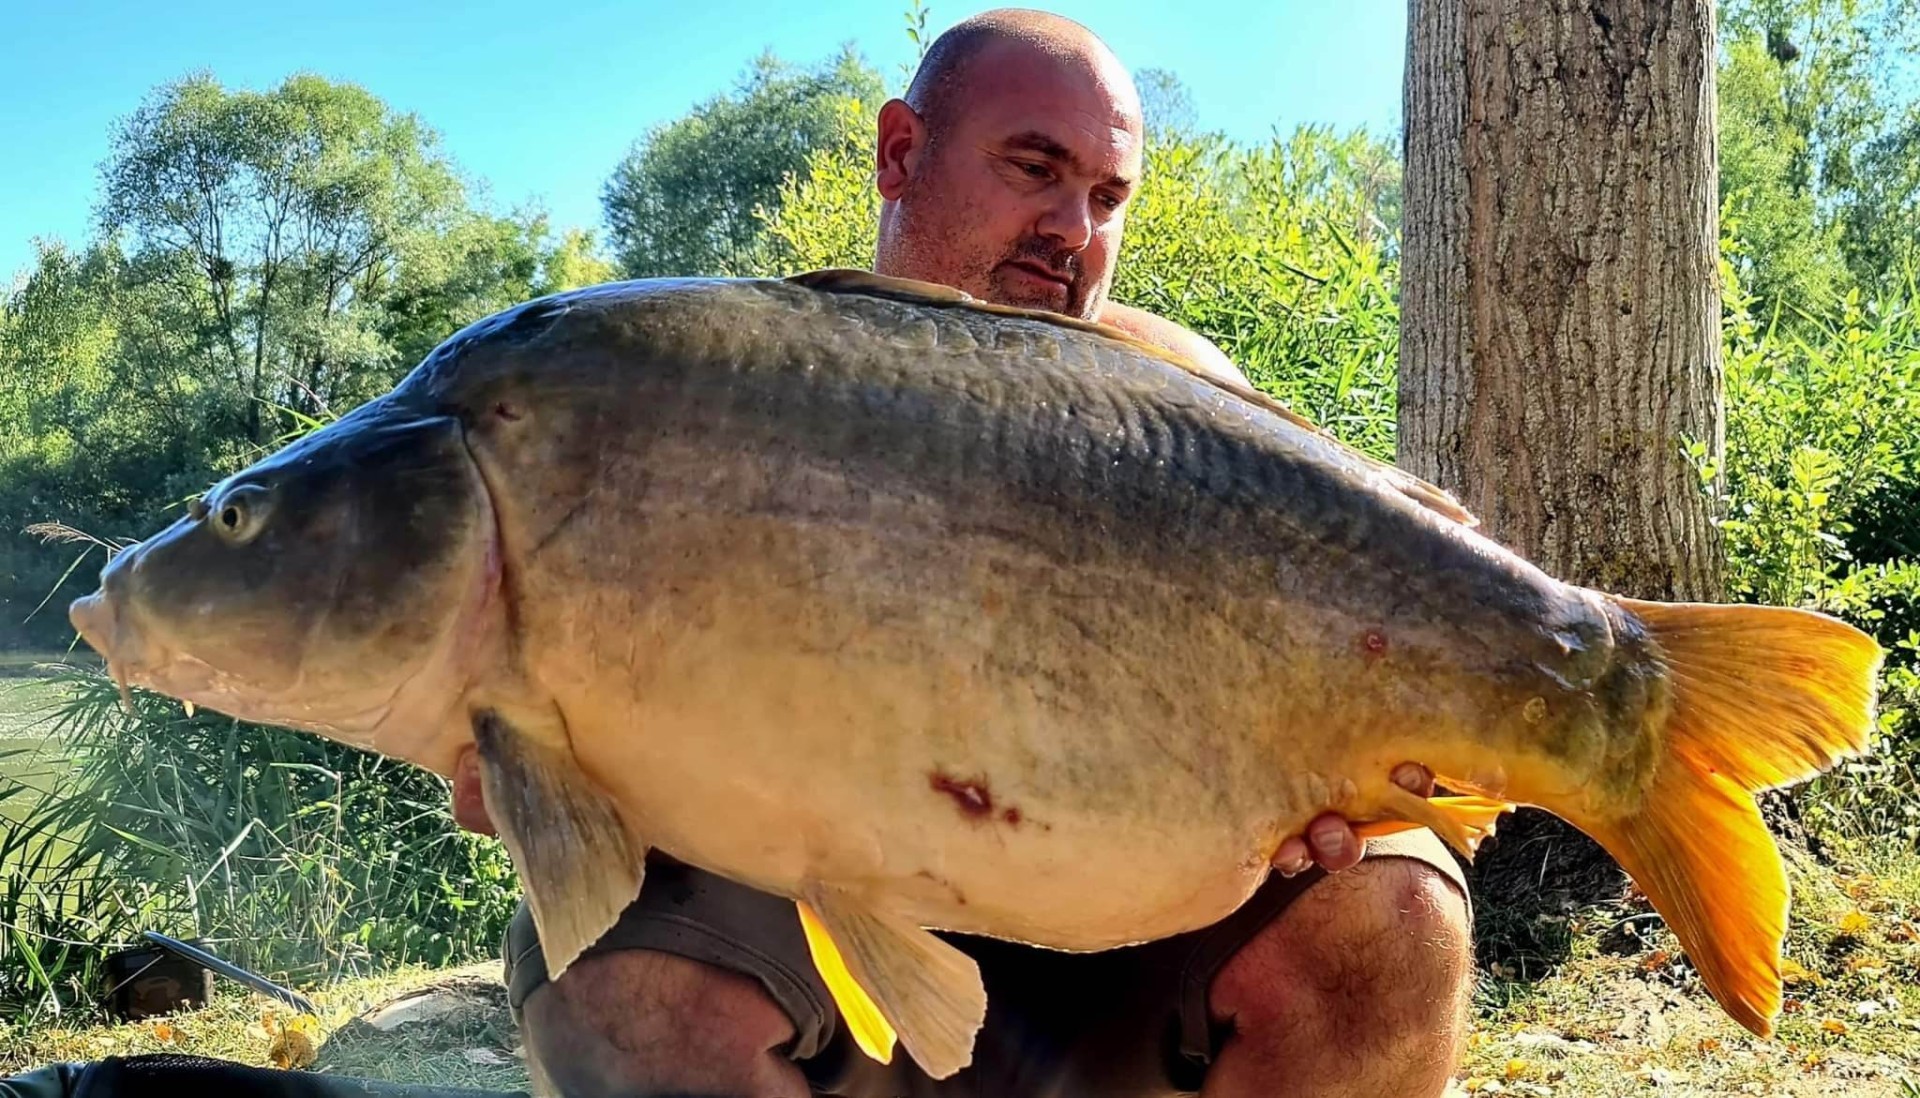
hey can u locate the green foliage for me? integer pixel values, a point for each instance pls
(1789, 252)
(1281, 255)
(826, 213)
(1824, 415)
(1816, 142)
(296, 857)
(683, 202)
(1882, 229)
(273, 217)
(264, 255)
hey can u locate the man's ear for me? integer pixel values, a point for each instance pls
(902, 137)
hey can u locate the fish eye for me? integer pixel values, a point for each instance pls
(240, 513)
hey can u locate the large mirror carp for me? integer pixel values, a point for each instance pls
(930, 614)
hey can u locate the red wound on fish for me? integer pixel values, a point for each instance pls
(1012, 816)
(973, 797)
(1374, 643)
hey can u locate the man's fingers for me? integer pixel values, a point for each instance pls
(469, 804)
(1414, 778)
(1330, 840)
(1334, 844)
(1292, 857)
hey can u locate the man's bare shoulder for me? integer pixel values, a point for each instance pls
(1161, 332)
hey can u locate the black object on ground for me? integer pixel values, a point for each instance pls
(146, 982)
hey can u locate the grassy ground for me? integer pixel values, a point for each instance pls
(1623, 1016)
(473, 1045)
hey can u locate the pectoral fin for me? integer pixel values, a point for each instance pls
(889, 976)
(869, 1027)
(578, 864)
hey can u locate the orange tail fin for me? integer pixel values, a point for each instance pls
(1762, 697)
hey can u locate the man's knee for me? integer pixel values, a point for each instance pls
(1378, 958)
(639, 1022)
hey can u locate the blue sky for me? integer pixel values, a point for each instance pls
(542, 100)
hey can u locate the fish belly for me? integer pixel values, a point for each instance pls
(1040, 645)
(961, 731)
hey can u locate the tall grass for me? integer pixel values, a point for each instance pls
(296, 857)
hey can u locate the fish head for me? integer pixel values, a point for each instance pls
(339, 585)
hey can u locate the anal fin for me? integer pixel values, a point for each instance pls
(1463, 822)
(578, 864)
(921, 988)
(1379, 829)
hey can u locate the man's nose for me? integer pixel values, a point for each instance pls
(1070, 221)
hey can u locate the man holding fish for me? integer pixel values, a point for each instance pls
(888, 689)
(1006, 173)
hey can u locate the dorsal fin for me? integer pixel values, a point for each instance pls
(849, 280)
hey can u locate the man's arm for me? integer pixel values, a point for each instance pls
(1164, 333)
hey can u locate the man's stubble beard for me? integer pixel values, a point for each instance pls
(1073, 300)
(982, 275)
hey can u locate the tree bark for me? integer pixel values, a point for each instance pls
(1559, 333)
(1560, 302)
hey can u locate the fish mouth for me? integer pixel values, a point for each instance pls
(136, 654)
(102, 623)
(134, 657)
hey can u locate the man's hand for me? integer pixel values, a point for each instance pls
(469, 807)
(1330, 840)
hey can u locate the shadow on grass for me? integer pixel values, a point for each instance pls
(1538, 884)
(456, 1033)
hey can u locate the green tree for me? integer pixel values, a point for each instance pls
(1882, 228)
(1813, 166)
(264, 256)
(1166, 106)
(273, 223)
(684, 200)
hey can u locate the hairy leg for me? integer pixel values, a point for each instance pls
(1360, 988)
(641, 1023)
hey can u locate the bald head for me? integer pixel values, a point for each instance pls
(980, 46)
(1006, 169)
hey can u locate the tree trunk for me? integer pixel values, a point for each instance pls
(1560, 304)
(1559, 332)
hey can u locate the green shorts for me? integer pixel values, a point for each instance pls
(1124, 1022)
